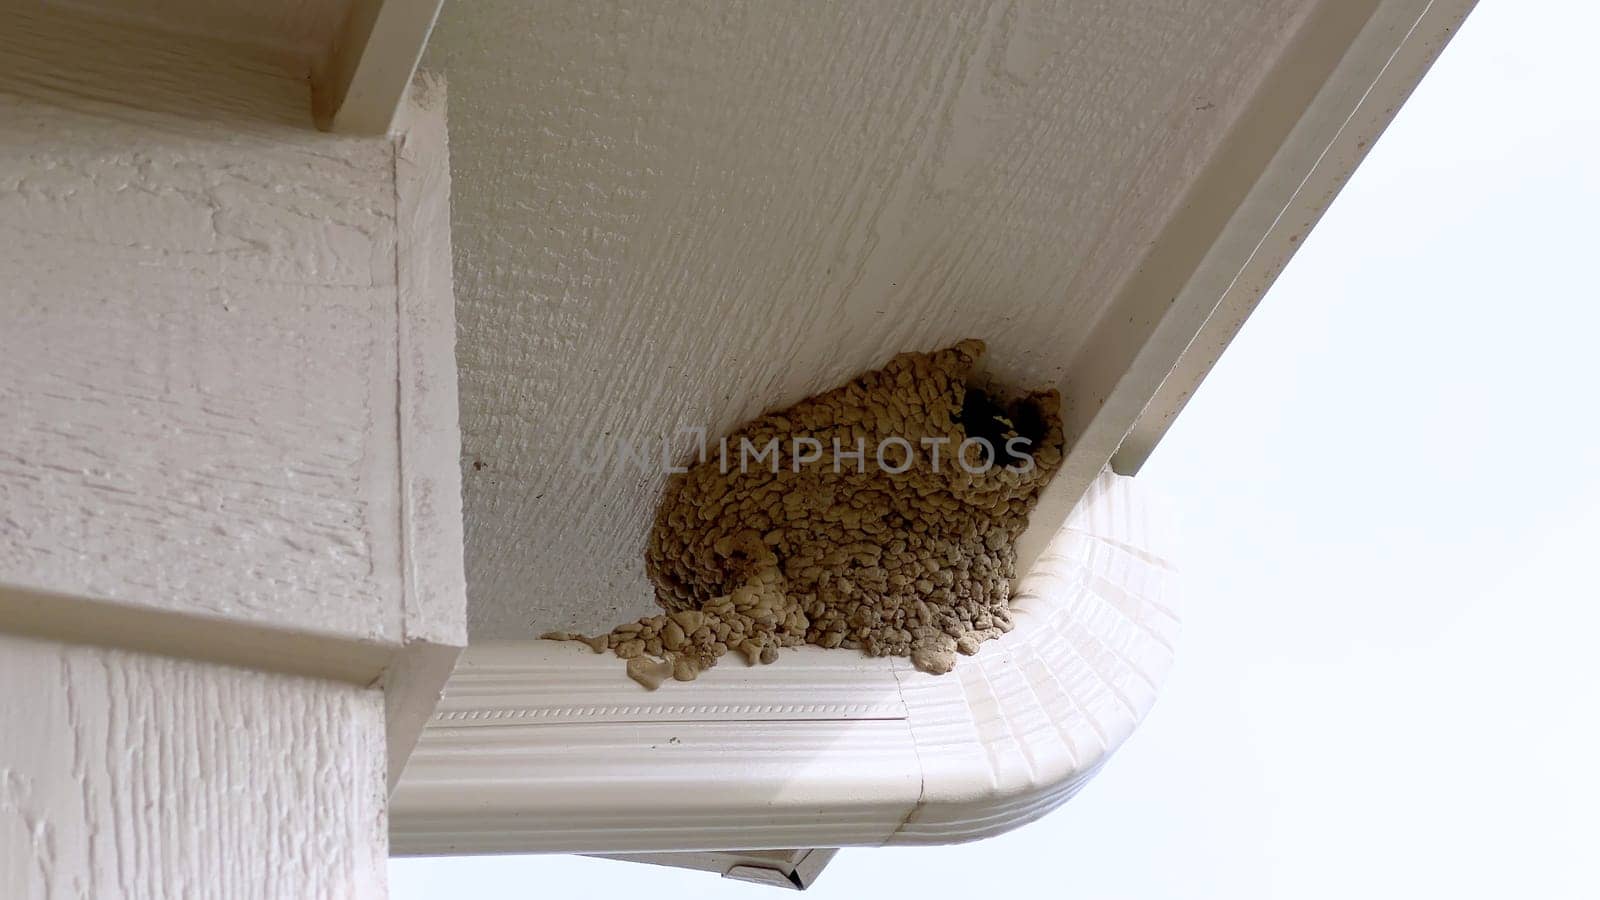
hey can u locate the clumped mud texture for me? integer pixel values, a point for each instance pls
(916, 563)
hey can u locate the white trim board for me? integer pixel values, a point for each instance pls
(545, 746)
(1346, 73)
(1399, 43)
(359, 56)
(360, 87)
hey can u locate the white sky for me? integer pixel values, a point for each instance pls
(1390, 489)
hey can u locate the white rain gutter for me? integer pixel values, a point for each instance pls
(545, 746)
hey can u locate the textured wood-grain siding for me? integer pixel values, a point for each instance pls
(227, 384)
(300, 32)
(197, 364)
(145, 778)
(685, 213)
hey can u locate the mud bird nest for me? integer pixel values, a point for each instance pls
(870, 521)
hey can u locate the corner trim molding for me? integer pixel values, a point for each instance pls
(433, 581)
(361, 87)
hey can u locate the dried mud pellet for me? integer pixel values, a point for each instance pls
(929, 658)
(684, 668)
(649, 672)
(751, 651)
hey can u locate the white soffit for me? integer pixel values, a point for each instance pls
(665, 219)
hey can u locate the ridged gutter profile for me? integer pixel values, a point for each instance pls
(542, 746)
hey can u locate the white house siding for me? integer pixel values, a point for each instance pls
(230, 577)
(143, 777)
